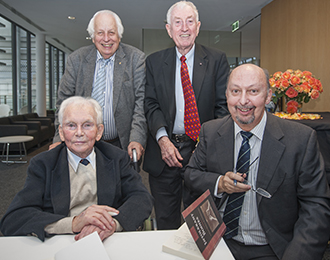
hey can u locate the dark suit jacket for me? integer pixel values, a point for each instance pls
(209, 82)
(296, 220)
(45, 197)
(128, 89)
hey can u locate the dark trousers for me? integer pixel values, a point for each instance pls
(245, 252)
(168, 191)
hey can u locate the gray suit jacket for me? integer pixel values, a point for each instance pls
(128, 89)
(45, 197)
(296, 220)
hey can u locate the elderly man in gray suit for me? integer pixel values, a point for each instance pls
(123, 94)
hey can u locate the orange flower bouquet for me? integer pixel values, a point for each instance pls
(296, 86)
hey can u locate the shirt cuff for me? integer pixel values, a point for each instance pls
(160, 133)
(62, 226)
(216, 194)
(119, 228)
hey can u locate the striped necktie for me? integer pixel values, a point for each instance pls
(100, 82)
(192, 124)
(235, 200)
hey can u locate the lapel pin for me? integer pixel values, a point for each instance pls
(119, 62)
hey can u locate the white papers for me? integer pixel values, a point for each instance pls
(87, 248)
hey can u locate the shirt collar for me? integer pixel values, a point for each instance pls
(99, 56)
(74, 160)
(257, 131)
(189, 56)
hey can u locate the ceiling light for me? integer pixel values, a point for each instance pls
(71, 17)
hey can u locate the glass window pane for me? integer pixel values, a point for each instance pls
(47, 76)
(6, 82)
(22, 81)
(34, 73)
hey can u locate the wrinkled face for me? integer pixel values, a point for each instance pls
(79, 129)
(247, 95)
(106, 38)
(183, 28)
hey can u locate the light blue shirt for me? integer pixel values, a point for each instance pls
(179, 98)
(74, 160)
(110, 131)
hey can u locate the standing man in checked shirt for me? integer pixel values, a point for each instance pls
(172, 137)
(123, 93)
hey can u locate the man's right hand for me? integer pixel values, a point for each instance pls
(54, 145)
(170, 153)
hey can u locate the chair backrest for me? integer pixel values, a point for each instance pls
(4, 110)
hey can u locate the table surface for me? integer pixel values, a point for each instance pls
(16, 139)
(136, 245)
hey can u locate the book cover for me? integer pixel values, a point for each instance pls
(205, 224)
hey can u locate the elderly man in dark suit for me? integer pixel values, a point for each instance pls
(80, 186)
(283, 159)
(168, 107)
(123, 94)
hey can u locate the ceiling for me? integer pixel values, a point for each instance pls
(51, 16)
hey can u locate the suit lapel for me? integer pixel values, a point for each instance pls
(89, 70)
(271, 153)
(224, 143)
(118, 72)
(106, 181)
(60, 184)
(200, 66)
(168, 70)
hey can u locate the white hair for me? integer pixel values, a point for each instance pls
(181, 4)
(81, 101)
(91, 24)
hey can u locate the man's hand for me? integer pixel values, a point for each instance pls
(103, 234)
(54, 145)
(232, 182)
(95, 215)
(170, 154)
(138, 147)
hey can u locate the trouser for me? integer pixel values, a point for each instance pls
(248, 252)
(168, 189)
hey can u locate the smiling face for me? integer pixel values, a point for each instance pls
(106, 38)
(183, 28)
(247, 95)
(79, 129)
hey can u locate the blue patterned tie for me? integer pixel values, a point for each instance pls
(235, 200)
(84, 162)
(100, 81)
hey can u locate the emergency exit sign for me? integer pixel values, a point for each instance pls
(235, 26)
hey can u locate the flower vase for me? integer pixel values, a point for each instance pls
(293, 106)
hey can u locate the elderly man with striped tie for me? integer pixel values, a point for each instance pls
(113, 73)
(250, 150)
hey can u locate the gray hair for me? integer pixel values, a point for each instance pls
(81, 101)
(91, 24)
(181, 4)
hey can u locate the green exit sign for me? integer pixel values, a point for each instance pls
(235, 26)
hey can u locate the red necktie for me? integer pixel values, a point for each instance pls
(192, 124)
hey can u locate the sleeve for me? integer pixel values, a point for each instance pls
(312, 228)
(139, 124)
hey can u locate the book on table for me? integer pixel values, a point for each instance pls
(201, 233)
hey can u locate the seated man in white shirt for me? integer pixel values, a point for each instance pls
(81, 186)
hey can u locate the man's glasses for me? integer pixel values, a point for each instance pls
(260, 191)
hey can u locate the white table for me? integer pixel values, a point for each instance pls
(139, 245)
(20, 139)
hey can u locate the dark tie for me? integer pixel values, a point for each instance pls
(84, 162)
(192, 124)
(235, 200)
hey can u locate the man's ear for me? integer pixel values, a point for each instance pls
(100, 129)
(168, 29)
(60, 131)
